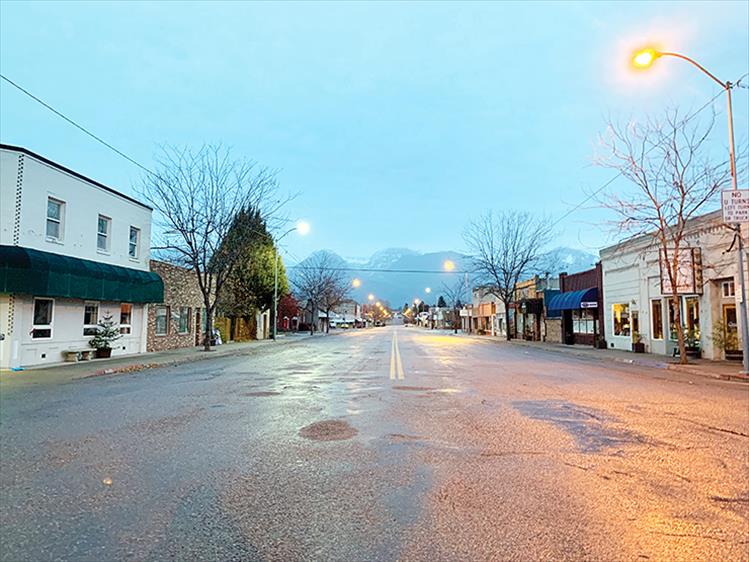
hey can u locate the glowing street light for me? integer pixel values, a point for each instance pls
(378, 304)
(417, 302)
(356, 283)
(449, 265)
(645, 57)
(370, 297)
(428, 290)
(303, 228)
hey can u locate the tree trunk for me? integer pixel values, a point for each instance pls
(208, 325)
(683, 359)
(508, 335)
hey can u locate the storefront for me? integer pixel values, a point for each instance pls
(578, 307)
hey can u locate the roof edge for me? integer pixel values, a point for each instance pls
(73, 173)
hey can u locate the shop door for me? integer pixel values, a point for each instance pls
(568, 335)
(732, 328)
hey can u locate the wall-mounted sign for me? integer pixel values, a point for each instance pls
(688, 274)
(589, 304)
(735, 205)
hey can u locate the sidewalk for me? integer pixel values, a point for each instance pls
(65, 372)
(724, 370)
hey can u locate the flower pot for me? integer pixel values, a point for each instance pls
(104, 353)
(693, 352)
(638, 347)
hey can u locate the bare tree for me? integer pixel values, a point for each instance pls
(504, 247)
(455, 292)
(321, 281)
(197, 196)
(673, 178)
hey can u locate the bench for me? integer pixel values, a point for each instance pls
(73, 355)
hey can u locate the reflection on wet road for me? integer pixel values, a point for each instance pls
(380, 444)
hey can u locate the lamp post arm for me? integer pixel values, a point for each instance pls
(724, 85)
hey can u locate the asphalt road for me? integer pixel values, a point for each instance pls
(383, 444)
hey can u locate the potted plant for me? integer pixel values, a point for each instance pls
(727, 341)
(638, 346)
(106, 332)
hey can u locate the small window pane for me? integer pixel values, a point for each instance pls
(53, 229)
(53, 209)
(161, 320)
(42, 312)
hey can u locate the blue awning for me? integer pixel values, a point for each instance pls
(587, 298)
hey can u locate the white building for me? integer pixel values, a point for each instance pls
(636, 299)
(72, 250)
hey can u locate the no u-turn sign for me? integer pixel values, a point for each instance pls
(735, 205)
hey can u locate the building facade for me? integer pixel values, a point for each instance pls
(72, 252)
(574, 315)
(528, 307)
(179, 320)
(637, 302)
(488, 312)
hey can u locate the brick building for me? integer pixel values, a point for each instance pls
(179, 321)
(574, 315)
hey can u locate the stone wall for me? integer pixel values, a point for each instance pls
(180, 290)
(554, 330)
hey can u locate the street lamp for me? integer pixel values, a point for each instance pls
(644, 58)
(356, 283)
(302, 228)
(370, 297)
(428, 290)
(449, 265)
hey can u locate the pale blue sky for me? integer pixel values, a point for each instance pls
(397, 122)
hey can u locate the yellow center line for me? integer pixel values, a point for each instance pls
(398, 361)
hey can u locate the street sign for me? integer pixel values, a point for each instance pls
(735, 205)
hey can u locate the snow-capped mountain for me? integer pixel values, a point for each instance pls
(400, 275)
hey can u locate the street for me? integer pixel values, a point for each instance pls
(392, 443)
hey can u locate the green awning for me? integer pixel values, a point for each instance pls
(43, 274)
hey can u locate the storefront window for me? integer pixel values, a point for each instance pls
(42, 327)
(656, 308)
(583, 322)
(90, 318)
(162, 320)
(126, 318)
(671, 321)
(620, 312)
(692, 318)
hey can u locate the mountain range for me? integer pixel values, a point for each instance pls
(400, 275)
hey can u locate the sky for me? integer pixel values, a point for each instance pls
(395, 123)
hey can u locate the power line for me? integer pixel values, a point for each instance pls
(619, 174)
(76, 125)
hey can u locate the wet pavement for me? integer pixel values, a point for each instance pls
(383, 444)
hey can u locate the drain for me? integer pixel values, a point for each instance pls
(328, 430)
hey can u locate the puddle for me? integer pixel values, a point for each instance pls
(590, 428)
(328, 430)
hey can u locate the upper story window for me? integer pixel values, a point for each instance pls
(55, 218)
(728, 289)
(134, 242)
(103, 229)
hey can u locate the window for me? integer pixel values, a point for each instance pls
(671, 322)
(90, 318)
(102, 233)
(182, 319)
(620, 312)
(42, 327)
(126, 318)
(55, 216)
(656, 315)
(583, 321)
(692, 318)
(728, 289)
(133, 242)
(162, 320)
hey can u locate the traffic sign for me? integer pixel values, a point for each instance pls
(735, 205)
